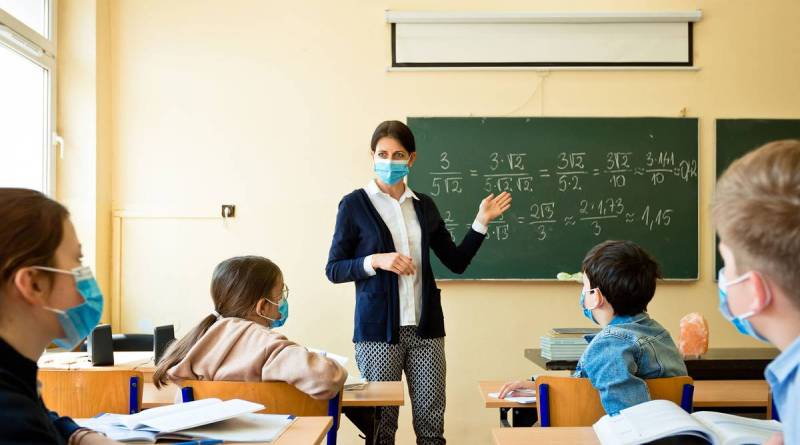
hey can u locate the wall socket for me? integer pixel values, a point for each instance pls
(228, 210)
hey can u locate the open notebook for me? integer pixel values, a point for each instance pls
(657, 419)
(231, 420)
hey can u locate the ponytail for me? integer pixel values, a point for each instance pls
(177, 350)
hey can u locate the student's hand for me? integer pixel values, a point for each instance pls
(510, 387)
(775, 439)
(493, 206)
(84, 437)
(394, 262)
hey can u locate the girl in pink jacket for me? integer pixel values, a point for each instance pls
(236, 341)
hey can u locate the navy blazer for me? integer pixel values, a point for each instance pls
(360, 231)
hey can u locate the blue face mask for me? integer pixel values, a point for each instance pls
(586, 312)
(283, 309)
(391, 172)
(741, 322)
(78, 321)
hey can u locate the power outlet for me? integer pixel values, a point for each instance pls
(228, 210)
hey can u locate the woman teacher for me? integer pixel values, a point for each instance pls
(383, 238)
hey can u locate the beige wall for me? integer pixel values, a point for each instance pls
(270, 105)
(83, 120)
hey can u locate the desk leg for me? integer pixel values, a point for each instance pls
(520, 417)
(524, 417)
(365, 419)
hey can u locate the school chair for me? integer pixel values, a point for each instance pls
(570, 401)
(772, 412)
(277, 397)
(87, 393)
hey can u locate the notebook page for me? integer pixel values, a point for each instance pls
(733, 429)
(140, 419)
(245, 428)
(183, 420)
(648, 421)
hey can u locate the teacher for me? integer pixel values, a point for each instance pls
(383, 238)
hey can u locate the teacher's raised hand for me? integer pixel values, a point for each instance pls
(394, 262)
(493, 206)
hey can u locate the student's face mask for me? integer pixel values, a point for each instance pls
(741, 322)
(391, 172)
(283, 309)
(587, 312)
(78, 321)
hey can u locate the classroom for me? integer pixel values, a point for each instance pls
(181, 133)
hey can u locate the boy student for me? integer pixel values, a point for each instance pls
(756, 211)
(619, 280)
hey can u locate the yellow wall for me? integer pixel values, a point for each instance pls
(83, 120)
(270, 105)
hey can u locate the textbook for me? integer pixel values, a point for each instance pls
(564, 343)
(231, 420)
(659, 419)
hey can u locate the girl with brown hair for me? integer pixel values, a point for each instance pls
(236, 341)
(46, 295)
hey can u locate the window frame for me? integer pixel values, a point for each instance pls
(42, 51)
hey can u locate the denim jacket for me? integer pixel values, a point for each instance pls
(627, 351)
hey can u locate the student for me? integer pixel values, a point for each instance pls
(45, 295)
(236, 341)
(619, 280)
(756, 211)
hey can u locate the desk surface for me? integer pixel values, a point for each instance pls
(550, 436)
(374, 394)
(715, 364)
(306, 431)
(707, 394)
(303, 431)
(134, 360)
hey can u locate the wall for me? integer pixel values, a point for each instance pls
(270, 105)
(83, 120)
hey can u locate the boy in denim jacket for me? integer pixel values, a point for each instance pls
(619, 280)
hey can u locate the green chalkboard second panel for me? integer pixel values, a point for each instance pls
(575, 182)
(736, 137)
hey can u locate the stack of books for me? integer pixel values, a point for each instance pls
(565, 343)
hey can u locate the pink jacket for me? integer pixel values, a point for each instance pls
(240, 350)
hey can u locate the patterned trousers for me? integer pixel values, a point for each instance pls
(423, 361)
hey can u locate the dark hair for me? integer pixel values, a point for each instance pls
(625, 274)
(31, 229)
(236, 286)
(397, 131)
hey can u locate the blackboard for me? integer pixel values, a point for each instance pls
(735, 137)
(575, 182)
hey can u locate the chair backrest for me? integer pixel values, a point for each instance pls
(277, 397)
(570, 401)
(772, 412)
(87, 393)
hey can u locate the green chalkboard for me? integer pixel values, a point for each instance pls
(735, 137)
(575, 182)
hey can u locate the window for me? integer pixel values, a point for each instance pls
(27, 94)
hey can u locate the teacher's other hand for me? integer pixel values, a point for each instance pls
(493, 206)
(394, 262)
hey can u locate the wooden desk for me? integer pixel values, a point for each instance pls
(522, 414)
(726, 395)
(306, 431)
(127, 360)
(303, 431)
(549, 436)
(376, 394)
(716, 364)
(373, 395)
